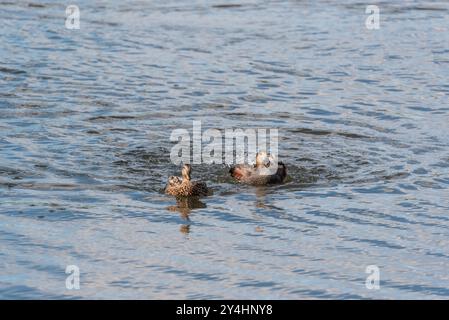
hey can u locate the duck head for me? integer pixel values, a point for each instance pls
(271, 159)
(186, 169)
(262, 160)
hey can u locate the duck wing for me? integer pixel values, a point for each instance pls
(199, 188)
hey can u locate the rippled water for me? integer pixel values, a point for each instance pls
(85, 121)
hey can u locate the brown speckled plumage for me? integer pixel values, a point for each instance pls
(185, 187)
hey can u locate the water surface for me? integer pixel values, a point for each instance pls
(85, 121)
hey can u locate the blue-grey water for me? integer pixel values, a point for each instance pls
(85, 121)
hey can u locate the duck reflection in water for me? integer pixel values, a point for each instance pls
(262, 200)
(185, 205)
